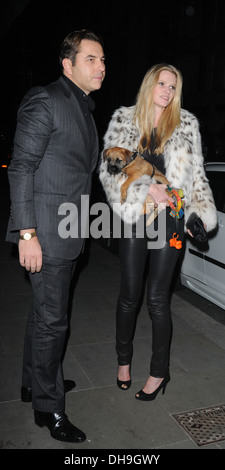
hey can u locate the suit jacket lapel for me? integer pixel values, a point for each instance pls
(91, 153)
(80, 120)
(95, 151)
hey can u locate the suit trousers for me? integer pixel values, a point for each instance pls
(133, 256)
(45, 334)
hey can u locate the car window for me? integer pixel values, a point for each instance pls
(216, 181)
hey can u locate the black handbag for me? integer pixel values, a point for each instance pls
(196, 227)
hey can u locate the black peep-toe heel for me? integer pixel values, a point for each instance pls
(123, 384)
(151, 396)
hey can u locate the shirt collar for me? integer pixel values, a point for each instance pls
(80, 94)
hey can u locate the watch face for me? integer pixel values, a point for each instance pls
(27, 236)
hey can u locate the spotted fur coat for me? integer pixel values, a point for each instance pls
(183, 163)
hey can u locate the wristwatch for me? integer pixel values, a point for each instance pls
(27, 235)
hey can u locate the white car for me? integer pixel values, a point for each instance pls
(203, 266)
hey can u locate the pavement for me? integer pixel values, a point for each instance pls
(112, 419)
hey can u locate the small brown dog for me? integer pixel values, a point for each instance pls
(134, 166)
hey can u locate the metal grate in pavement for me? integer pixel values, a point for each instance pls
(205, 426)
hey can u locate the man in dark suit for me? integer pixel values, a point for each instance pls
(55, 153)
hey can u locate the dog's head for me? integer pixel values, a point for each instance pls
(117, 158)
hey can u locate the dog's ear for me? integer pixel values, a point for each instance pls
(105, 154)
(127, 155)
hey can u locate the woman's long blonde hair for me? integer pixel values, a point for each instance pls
(144, 109)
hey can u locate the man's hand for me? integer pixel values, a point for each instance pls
(30, 253)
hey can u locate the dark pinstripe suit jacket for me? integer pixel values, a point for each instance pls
(52, 164)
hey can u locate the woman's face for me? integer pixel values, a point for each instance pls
(165, 88)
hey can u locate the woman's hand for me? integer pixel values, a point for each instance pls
(189, 233)
(196, 228)
(159, 195)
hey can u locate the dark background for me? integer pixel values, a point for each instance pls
(188, 34)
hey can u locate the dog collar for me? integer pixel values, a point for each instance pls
(135, 154)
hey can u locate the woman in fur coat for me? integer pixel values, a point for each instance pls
(168, 137)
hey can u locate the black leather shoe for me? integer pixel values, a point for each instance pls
(26, 392)
(59, 426)
(69, 385)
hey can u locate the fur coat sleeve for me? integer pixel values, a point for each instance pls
(183, 162)
(123, 133)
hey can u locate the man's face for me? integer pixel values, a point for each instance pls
(89, 70)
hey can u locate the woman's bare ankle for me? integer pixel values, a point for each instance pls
(124, 372)
(152, 384)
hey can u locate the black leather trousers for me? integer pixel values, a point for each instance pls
(133, 256)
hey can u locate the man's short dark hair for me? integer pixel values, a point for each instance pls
(71, 44)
